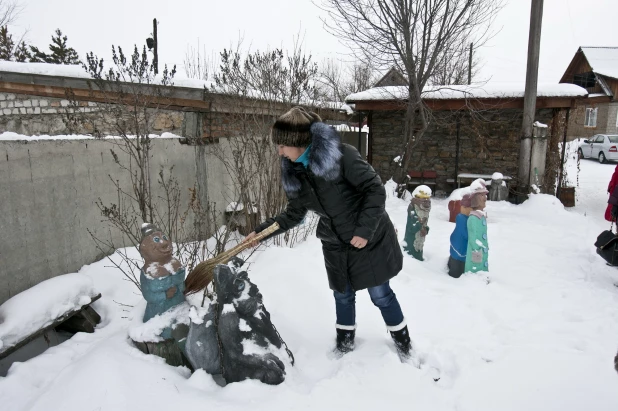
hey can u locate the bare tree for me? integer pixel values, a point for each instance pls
(9, 11)
(455, 70)
(130, 97)
(198, 64)
(257, 87)
(338, 80)
(415, 36)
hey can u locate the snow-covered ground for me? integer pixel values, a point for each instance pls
(540, 336)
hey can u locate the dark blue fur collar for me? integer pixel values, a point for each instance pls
(324, 158)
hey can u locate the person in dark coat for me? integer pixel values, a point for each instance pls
(359, 242)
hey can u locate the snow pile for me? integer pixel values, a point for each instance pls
(497, 176)
(151, 329)
(539, 124)
(41, 305)
(459, 193)
(540, 336)
(474, 91)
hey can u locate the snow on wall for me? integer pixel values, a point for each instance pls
(10, 136)
(77, 71)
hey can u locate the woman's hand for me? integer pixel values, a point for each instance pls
(248, 239)
(358, 242)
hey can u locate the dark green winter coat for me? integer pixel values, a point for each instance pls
(348, 196)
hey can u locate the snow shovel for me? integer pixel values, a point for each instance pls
(202, 274)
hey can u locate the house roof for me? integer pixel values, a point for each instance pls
(393, 77)
(603, 60)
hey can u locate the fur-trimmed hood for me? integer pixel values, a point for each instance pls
(324, 158)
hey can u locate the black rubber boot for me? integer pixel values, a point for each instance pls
(402, 342)
(345, 341)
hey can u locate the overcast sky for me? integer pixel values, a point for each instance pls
(95, 26)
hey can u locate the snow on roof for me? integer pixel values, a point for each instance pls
(77, 71)
(334, 105)
(474, 91)
(603, 60)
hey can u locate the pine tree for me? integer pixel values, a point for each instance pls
(22, 54)
(7, 45)
(60, 53)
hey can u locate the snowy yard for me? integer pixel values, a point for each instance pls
(540, 336)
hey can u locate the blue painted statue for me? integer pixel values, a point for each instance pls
(162, 277)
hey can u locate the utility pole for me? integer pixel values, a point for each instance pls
(532, 74)
(470, 66)
(155, 59)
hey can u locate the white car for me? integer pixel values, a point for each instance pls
(602, 146)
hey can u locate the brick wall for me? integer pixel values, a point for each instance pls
(612, 118)
(489, 142)
(577, 118)
(34, 115)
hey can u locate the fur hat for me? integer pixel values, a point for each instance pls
(293, 128)
(466, 201)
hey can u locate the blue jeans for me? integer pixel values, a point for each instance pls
(382, 297)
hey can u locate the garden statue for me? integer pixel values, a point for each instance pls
(162, 282)
(498, 191)
(416, 226)
(235, 339)
(478, 246)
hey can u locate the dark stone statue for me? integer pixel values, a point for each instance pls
(236, 339)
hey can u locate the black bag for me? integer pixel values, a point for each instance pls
(607, 246)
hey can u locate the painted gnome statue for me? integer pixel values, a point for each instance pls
(498, 191)
(235, 339)
(416, 226)
(478, 246)
(162, 281)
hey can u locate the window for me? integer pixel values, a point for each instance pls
(613, 139)
(591, 117)
(585, 80)
(616, 120)
(600, 139)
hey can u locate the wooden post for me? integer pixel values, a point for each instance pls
(360, 145)
(470, 65)
(457, 146)
(155, 59)
(532, 72)
(566, 128)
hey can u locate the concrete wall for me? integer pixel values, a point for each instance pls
(49, 189)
